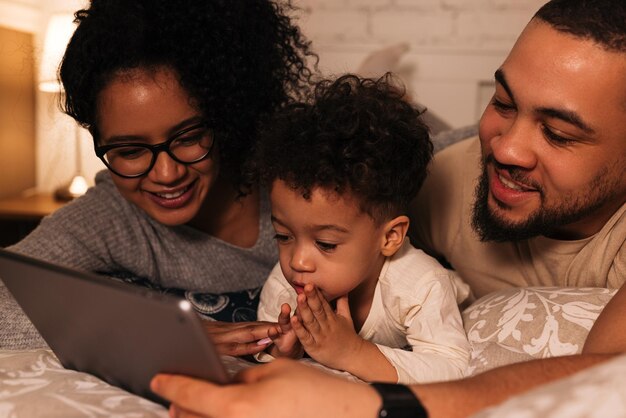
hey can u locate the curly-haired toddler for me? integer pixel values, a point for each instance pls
(349, 290)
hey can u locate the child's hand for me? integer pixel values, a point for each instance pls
(285, 341)
(327, 336)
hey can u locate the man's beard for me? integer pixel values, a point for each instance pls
(546, 220)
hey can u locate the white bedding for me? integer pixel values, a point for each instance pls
(34, 384)
(506, 327)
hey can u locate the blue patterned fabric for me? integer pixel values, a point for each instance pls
(238, 306)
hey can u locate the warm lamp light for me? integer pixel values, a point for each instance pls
(78, 186)
(58, 33)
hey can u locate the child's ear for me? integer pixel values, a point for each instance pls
(394, 232)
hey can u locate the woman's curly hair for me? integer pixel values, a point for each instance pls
(239, 60)
(353, 135)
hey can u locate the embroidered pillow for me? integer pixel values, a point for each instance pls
(522, 324)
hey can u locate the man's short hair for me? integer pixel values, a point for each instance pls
(602, 21)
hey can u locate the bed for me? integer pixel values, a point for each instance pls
(504, 327)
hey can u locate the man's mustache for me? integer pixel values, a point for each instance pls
(516, 173)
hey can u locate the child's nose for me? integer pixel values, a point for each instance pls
(300, 260)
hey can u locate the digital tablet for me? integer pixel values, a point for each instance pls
(121, 333)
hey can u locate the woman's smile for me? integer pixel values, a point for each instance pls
(173, 198)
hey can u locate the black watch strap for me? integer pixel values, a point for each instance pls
(399, 402)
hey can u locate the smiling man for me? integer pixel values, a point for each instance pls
(538, 198)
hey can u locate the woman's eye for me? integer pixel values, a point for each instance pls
(554, 137)
(127, 153)
(281, 238)
(325, 246)
(189, 140)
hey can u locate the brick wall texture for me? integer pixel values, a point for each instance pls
(455, 45)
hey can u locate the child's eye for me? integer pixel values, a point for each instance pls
(325, 246)
(281, 238)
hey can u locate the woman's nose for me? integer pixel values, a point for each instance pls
(166, 170)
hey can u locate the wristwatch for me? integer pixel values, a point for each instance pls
(399, 402)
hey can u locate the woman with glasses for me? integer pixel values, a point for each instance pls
(173, 93)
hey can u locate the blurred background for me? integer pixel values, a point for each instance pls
(450, 50)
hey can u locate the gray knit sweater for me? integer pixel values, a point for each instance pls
(102, 232)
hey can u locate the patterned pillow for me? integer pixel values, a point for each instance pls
(516, 325)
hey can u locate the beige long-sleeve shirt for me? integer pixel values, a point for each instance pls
(414, 318)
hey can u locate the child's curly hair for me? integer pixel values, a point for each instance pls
(239, 60)
(354, 135)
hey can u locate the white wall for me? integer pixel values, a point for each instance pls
(455, 46)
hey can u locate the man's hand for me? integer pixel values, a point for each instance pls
(238, 338)
(282, 389)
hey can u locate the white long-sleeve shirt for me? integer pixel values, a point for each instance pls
(414, 318)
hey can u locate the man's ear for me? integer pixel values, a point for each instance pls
(394, 232)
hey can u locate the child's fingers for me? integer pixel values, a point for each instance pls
(316, 302)
(330, 312)
(305, 337)
(283, 317)
(343, 307)
(306, 316)
(285, 312)
(274, 333)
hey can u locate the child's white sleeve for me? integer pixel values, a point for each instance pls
(275, 292)
(434, 330)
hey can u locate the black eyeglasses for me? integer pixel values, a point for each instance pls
(132, 160)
